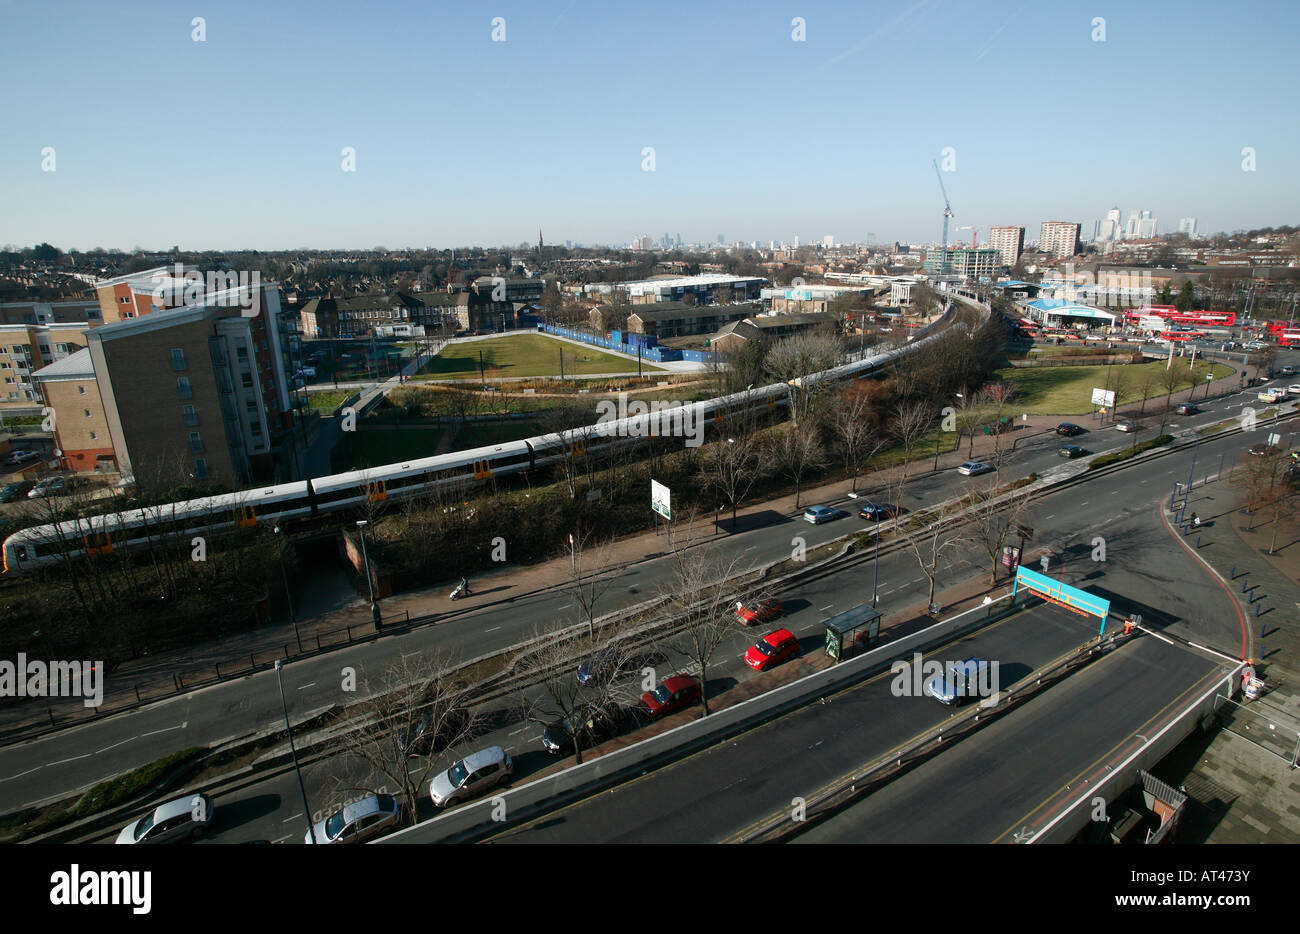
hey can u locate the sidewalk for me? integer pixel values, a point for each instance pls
(1240, 792)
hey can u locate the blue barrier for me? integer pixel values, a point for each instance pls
(653, 354)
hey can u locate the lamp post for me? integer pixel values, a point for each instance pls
(875, 567)
(306, 811)
(374, 607)
(284, 575)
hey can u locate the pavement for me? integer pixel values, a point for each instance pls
(1242, 789)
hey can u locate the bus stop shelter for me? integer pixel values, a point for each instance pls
(854, 630)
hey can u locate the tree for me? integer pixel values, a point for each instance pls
(992, 516)
(730, 467)
(932, 538)
(1186, 300)
(796, 357)
(857, 437)
(699, 599)
(911, 422)
(796, 450)
(590, 577)
(417, 703)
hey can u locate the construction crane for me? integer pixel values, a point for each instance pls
(947, 215)
(974, 236)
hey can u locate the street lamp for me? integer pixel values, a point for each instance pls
(374, 607)
(306, 810)
(284, 575)
(875, 566)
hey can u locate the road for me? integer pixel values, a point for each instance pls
(63, 762)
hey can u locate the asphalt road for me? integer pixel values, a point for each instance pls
(1119, 507)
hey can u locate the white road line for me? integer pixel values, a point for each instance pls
(306, 686)
(107, 748)
(155, 733)
(287, 819)
(1052, 516)
(21, 774)
(826, 607)
(75, 758)
(493, 629)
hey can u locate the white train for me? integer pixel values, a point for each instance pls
(64, 541)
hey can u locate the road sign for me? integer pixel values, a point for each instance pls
(661, 499)
(1104, 397)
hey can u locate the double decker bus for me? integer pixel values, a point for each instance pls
(1167, 313)
(1179, 335)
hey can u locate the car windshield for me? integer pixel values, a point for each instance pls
(143, 827)
(457, 774)
(387, 803)
(334, 825)
(764, 647)
(661, 694)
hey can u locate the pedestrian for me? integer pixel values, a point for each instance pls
(1196, 520)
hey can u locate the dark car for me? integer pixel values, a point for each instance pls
(1187, 408)
(602, 666)
(421, 740)
(677, 693)
(1070, 450)
(1262, 449)
(17, 490)
(875, 512)
(1069, 429)
(591, 725)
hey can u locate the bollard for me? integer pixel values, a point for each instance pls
(1232, 573)
(1257, 606)
(251, 663)
(218, 671)
(1243, 586)
(1261, 629)
(137, 693)
(318, 643)
(1198, 541)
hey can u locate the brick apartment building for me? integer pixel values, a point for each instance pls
(34, 335)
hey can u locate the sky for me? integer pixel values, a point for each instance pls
(120, 130)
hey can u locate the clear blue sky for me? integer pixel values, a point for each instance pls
(235, 141)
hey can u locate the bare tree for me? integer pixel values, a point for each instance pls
(796, 450)
(932, 538)
(590, 576)
(857, 436)
(991, 517)
(730, 468)
(911, 422)
(793, 359)
(415, 710)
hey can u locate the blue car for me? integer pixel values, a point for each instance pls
(600, 667)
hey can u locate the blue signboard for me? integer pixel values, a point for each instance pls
(1063, 595)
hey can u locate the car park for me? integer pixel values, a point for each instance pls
(15, 491)
(1127, 424)
(676, 693)
(470, 776)
(183, 819)
(973, 468)
(771, 650)
(591, 725)
(1187, 408)
(757, 611)
(958, 682)
(23, 457)
(819, 514)
(875, 512)
(1069, 429)
(1070, 450)
(360, 821)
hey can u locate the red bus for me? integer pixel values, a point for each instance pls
(1219, 319)
(1289, 337)
(1183, 335)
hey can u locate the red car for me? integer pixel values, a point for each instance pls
(759, 611)
(677, 693)
(772, 649)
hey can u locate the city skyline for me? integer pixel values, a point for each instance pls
(254, 157)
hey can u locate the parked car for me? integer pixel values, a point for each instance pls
(1272, 395)
(676, 693)
(758, 611)
(1293, 389)
(423, 740)
(358, 822)
(1070, 450)
(22, 457)
(819, 514)
(958, 682)
(591, 725)
(16, 490)
(1287, 370)
(1261, 449)
(1187, 408)
(1127, 424)
(1069, 429)
(973, 468)
(471, 775)
(875, 512)
(50, 486)
(771, 650)
(600, 667)
(183, 819)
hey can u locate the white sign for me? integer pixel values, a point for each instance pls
(1274, 440)
(661, 499)
(1104, 397)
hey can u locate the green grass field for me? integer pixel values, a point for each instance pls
(329, 400)
(375, 447)
(1067, 390)
(525, 355)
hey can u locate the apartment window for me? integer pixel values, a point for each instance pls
(247, 379)
(81, 390)
(86, 412)
(189, 415)
(92, 315)
(241, 353)
(200, 468)
(93, 436)
(196, 442)
(252, 405)
(124, 300)
(178, 359)
(255, 427)
(183, 390)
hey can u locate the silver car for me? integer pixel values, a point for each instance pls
(358, 822)
(182, 819)
(959, 681)
(470, 776)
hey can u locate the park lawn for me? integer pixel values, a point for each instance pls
(1067, 390)
(482, 435)
(328, 400)
(375, 447)
(525, 355)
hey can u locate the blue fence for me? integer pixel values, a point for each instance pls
(653, 354)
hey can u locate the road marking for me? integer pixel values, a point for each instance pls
(75, 758)
(106, 748)
(1052, 516)
(306, 686)
(287, 819)
(154, 733)
(285, 837)
(493, 629)
(21, 774)
(826, 607)
(1084, 503)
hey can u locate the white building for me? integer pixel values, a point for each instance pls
(1059, 239)
(1010, 241)
(1187, 226)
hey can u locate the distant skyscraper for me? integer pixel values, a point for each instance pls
(1141, 225)
(1059, 239)
(828, 241)
(1187, 226)
(1009, 241)
(721, 239)
(796, 241)
(679, 241)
